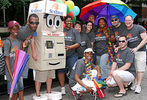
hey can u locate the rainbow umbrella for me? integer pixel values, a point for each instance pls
(22, 58)
(106, 8)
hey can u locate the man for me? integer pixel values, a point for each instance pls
(72, 42)
(78, 77)
(137, 39)
(117, 27)
(125, 73)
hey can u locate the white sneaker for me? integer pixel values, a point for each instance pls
(63, 90)
(133, 87)
(42, 97)
(36, 97)
(138, 89)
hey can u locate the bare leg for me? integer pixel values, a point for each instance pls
(37, 88)
(14, 97)
(139, 78)
(119, 82)
(61, 77)
(48, 85)
(21, 95)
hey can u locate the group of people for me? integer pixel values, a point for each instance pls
(84, 43)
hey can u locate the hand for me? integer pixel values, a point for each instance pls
(99, 76)
(89, 89)
(134, 50)
(34, 56)
(116, 49)
(25, 43)
(108, 78)
(67, 47)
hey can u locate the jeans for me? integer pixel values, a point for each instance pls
(19, 86)
(102, 62)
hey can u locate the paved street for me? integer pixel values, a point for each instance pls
(28, 93)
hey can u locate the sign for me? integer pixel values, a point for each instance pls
(48, 7)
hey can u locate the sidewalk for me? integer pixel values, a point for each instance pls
(28, 93)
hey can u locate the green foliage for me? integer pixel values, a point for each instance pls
(4, 4)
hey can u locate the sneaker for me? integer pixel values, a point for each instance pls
(42, 97)
(138, 89)
(36, 97)
(133, 87)
(63, 91)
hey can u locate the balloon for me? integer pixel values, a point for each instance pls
(76, 10)
(71, 14)
(70, 4)
(74, 19)
(64, 1)
(67, 10)
(60, 1)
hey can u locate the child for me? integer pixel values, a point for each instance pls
(10, 45)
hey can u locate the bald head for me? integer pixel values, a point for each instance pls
(129, 21)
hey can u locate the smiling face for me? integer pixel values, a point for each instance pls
(129, 21)
(91, 18)
(14, 30)
(68, 23)
(88, 55)
(89, 26)
(115, 22)
(102, 23)
(122, 42)
(78, 27)
(33, 23)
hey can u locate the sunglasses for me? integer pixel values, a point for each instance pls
(34, 23)
(123, 41)
(113, 20)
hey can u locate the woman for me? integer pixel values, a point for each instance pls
(89, 32)
(85, 42)
(72, 42)
(101, 45)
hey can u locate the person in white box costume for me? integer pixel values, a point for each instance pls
(49, 42)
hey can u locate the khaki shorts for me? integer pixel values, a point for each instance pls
(140, 61)
(41, 76)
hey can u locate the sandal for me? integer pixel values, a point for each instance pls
(118, 95)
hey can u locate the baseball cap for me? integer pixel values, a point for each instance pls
(114, 16)
(88, 50)
(13, 23)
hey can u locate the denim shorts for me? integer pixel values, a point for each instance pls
(70, 61)
(19, 86)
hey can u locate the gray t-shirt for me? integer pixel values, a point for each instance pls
(134, 37)
(80, 69)
(118, 31)
(100, 44)
(25, 33)
(91, 35)
(125, 56)
(14, 45)
(72, 36)
(85, 43)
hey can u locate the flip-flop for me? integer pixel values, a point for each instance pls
(118, 95)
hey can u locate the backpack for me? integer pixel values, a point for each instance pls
(2, 59)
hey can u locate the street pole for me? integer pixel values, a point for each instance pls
(4, 17)
(24, 10)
